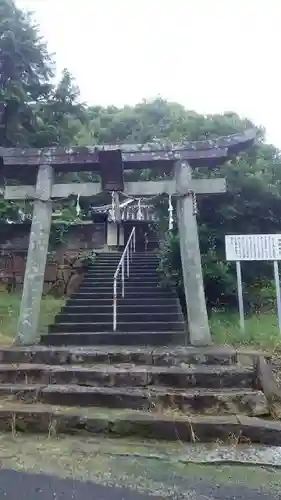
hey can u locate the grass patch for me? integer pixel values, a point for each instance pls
(9, 310)
(261, 330)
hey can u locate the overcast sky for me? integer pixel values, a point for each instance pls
(209, 55)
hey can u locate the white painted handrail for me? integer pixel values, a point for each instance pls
(126, 255)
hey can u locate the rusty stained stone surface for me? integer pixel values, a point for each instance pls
(130, 375)
(155, 151)
(268, 384)
(176, 356)
(63, 420)
(155, 399)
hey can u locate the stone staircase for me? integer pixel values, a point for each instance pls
(137, 381)
(147, 315)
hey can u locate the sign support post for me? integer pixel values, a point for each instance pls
(240, 296)
(254, 247)
(278, 294)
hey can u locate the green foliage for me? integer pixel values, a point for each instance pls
(60, 227)
(9, 312)
(170, 262)
(219, 282)
(61, 116)
(58, 235)
(261, 329)
(33, 112)
(88, 258)
(153, 120)
(25, 73)
(220, 285)
(262, 294)
(36, 113)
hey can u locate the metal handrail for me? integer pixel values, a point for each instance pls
(128, 252)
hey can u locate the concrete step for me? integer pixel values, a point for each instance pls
(144, 254)
(160, 356)
(110, 270)
(126, 301)
(132, 270)
(129, 284)
(133, 264)
(129, 290)
(150, 338)
(111, 266)
(191, 401)
(131, 317)
(137, 296)
(57, 420)
(122, 326)
(135, 261)
(134, 258)
(136, 255)
(137, 271)
(108, 276)
(122, 309)
(130, 375)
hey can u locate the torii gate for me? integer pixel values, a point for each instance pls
(110, 161)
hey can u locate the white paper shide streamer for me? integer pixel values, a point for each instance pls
(139, 214)
(170, 209)
(113, 207)
(78, 208)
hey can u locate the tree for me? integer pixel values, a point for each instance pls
(252, 203)
(157, 119)
(33, 112)
(61, 117)
(25, 72)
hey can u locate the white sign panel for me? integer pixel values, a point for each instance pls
(253, 247)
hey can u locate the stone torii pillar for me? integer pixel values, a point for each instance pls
(110, 161)
(199, 331)
(36, 257)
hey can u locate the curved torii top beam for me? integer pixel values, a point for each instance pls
(209, 152)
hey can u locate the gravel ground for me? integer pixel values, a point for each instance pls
(34, 467)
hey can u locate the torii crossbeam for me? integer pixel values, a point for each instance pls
(110, 161)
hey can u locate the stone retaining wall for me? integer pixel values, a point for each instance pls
(62, 263)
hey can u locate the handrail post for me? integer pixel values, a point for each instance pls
(130, 247)
(128, 261)
(114, 305)
(123, 279)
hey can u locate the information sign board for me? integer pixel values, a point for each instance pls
(253, 247)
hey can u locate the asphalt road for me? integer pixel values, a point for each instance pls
(26, 486)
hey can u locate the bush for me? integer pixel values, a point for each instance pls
(219, 280)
